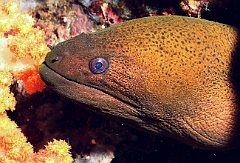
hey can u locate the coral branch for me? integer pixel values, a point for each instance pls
(22, 50)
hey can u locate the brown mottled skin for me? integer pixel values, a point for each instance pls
(172, 76)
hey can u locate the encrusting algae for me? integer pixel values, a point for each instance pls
(20, 59)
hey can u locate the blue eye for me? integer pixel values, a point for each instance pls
(98, 65)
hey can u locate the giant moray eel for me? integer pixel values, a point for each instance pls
(168, 75)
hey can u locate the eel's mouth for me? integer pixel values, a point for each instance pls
(109, 105)
(82, 93)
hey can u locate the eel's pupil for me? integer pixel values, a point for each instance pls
(98, 65)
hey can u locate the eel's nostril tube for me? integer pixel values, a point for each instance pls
(56, 58)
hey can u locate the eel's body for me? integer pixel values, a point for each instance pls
(172, 76)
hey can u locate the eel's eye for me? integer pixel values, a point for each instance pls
(98, 65)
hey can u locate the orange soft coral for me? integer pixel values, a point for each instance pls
(22, 47)
(7, 99)
(13, 145)
(56, 151)
(32, 80)
(22, 50)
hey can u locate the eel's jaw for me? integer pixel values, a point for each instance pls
(102, 102)
(108, 105)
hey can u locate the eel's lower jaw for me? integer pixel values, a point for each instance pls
(106, 104)
(80, 93)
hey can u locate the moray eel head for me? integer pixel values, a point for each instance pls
(171, 76)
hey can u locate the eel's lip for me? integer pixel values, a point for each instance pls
(84, 94)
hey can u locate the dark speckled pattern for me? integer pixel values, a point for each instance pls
(167, 75)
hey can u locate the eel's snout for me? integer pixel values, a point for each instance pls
(53, 58)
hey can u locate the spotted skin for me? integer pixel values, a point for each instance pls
(168, 75)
